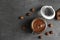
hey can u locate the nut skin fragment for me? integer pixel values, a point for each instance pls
(21, 17)
(24, 28)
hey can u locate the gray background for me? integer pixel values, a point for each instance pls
(10, 10)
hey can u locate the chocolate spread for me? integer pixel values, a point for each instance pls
(38, 26)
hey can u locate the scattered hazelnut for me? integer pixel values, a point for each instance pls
(50, 32)
(47, 33)
(40, 37)
(32, 10)
(21, 17)
(28, 14)
(50, 25)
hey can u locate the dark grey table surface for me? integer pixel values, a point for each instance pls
(10, 10)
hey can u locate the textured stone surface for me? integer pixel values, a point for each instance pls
(10, 10)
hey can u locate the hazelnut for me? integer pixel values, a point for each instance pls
(50, 32)
(32, 10)
(21, 17)
(50, 25)
(47, 33)
(40, 37)
(28, 14)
